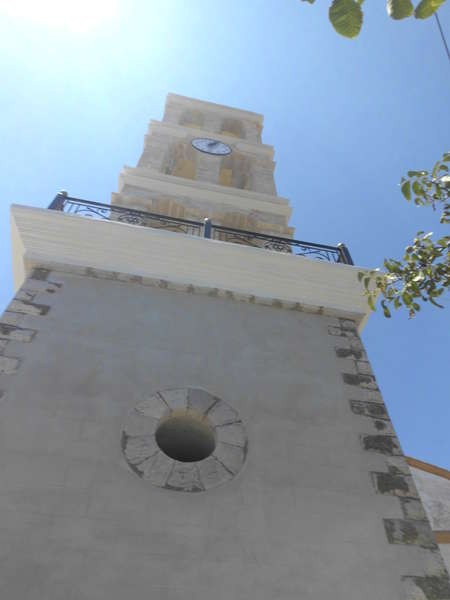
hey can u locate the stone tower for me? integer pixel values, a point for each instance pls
(187, 410)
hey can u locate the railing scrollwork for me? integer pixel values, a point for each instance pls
(96, 210)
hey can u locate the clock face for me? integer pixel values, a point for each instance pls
(211, 146)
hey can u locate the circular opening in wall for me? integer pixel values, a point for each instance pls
(186, 437)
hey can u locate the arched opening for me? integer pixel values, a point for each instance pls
(192, 118)
(232, 127)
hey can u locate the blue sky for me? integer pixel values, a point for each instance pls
(347, 119)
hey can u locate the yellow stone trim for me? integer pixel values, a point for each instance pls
(225, 177)
(442, 537)
(427, 467)
(184, 168)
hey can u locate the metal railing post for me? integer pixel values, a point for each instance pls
(345, 256)
(207, 228)
(58, 201)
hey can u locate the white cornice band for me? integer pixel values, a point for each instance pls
(44, 237)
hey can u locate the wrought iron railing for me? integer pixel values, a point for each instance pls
(131, 216)
(110, 212)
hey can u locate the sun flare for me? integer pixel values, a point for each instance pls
(75, 15)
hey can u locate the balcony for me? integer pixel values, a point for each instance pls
(206, 229)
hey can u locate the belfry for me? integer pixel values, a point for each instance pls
(187, 410)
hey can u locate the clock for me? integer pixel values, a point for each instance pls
(211, 146)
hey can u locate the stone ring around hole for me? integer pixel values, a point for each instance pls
(184, 439)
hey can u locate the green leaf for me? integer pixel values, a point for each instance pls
(399, 9)
(426, 8)
(406, 299)
(346, 16)
(310, 1)
(386, 311)
(435, 303)
(406, 189)
(435, 170)
(417, 173)
(417, 188)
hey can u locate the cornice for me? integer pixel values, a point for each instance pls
(71, 243)
(442, 537)
(203, 104)
(154, 180)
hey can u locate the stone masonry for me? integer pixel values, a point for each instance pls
(324, 506)
(413, 529)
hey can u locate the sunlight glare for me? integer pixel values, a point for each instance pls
(75, 15)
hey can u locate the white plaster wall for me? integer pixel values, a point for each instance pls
(445, 551)
(302, 520)
(435, 494)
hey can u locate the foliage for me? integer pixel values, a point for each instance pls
(347, 16)
(424, 273)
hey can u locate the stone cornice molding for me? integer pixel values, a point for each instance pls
(204, 105)
(153, 180)
(46, 238)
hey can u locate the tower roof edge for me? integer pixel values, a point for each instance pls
(179, 99)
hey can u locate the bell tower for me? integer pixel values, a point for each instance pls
(187, 410)
(207, 161)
